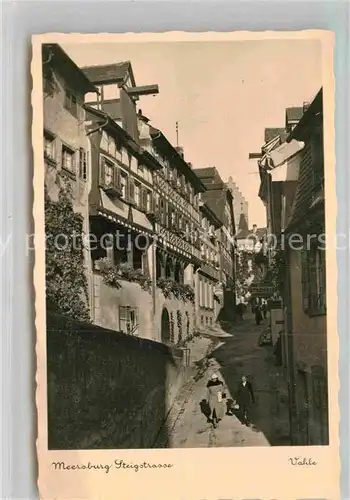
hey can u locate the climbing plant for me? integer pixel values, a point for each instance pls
(66, 281)
(276, 271)
(179, 325)
(172, 328)
(244, 272)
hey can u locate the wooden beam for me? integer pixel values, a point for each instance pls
(143, 90)
(254, 156)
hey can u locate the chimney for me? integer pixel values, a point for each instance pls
(306, 105)
(180, 150)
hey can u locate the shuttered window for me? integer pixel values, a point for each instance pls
(313, 268)
(305, 279)
(82, 164)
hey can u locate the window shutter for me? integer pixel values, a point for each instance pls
(127, 189)
(81, 162)
(117, 177)
(165, 212)
(102, 170)
(169, 214)
(131, 190)
(322, 277)
(153, 203)
(305, 279)
(144, 198)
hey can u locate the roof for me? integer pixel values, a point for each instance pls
(210, 214)
(243, 223)
(259, 234)
(109, 73)
(54, 56)
(294, 114)
(211, 178)
(168, 149)
(308, 192)
(305, 124)
(284, 152)
(271, 133)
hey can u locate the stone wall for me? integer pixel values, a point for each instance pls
(106, 389)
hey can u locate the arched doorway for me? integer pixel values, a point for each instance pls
(165, 327)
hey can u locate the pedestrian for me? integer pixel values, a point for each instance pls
(215, 398)
(240, 310)
(245, 399)
(258, 315)
(264, 309)
(277, 351)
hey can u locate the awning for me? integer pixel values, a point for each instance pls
(285, 151)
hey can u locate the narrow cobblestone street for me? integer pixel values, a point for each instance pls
(231, 355)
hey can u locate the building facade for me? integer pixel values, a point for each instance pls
(67, 165)
(145, 193)
(160, 254)
(292, 185)
(219, 199)
(208, 303)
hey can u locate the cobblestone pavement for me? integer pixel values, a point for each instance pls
(232, 354)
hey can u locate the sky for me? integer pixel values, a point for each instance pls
(222, 94)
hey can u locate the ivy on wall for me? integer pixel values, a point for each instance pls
(244, 272)
(276, 271)
(169, 288)
(66, 280)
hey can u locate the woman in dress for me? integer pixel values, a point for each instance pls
(215, 398)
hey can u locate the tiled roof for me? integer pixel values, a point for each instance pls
(55, 56)
(294, 114)
(107, 73)
(243, 224)
(311, 172)
(271, 133)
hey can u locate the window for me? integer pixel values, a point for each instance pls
(149, 201)
(109, 171)
(123, 184)
(314, 280)
(111, 146)
(82, 164)
(173, 218)
(68, 158)
(133, 163)
(128, 320)
(49, 146)
(137, 194)
(70, 103)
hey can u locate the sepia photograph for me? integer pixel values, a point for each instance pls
(185, 250)
(181, 186)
